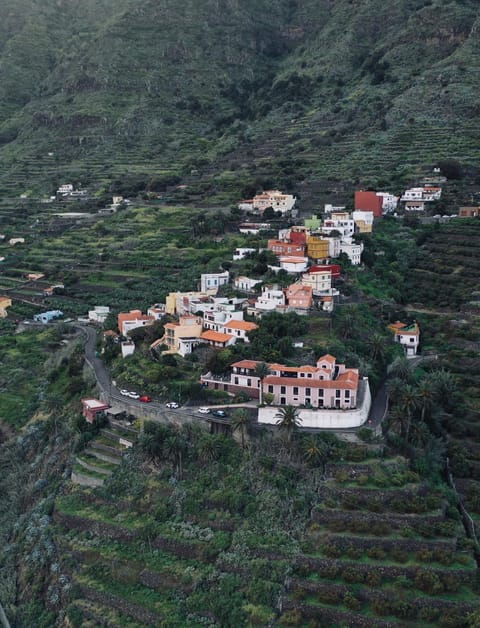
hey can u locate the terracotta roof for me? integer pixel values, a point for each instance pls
(245, 325)
(327, 358)
(348, 380)
(215, 336)
(245, 364)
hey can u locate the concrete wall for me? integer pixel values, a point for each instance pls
(325, 419)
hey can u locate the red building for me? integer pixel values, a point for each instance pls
(369, 202)
(323, 268)
(280, 247)
(91, 407)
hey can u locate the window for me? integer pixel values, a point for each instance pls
(282, 401)
(347, 394)
(249, 382)
(283, 390)
(235, 381)
(337, 403)
(320, 392)
(338, 394)
(307, 392)
(295, 390)
(270, 389)
(308, 401)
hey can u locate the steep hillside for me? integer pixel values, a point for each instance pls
(277, 89)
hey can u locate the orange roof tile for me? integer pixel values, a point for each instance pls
(245, 364)
(215, 336)
(327, 358)
(348, 380)
(245, 325)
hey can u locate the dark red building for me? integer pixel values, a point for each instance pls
(369, 202)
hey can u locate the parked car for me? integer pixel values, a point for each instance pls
(219, 413)
(145, 399)
(125, 393)
(204, 410)
(133, 395)
(172, 404)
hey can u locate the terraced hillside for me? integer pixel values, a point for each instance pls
(446, 269)
(185, 546)
(217, 90)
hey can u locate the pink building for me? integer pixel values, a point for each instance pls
(326, 385)
(299, 296)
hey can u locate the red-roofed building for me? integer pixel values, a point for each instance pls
(407, 335)
(217, 339)
(299, 297)
(369, 201)
(239, 329)
(133, 319)
(335, 269)
(92, 407)
(281, 247)
(326, 385)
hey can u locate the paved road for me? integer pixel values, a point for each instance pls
(154, 410)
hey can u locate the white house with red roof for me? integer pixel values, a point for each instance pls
(407, 335)
(239, 329)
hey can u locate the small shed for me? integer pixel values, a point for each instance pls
(92, 407)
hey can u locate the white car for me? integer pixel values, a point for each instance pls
(204, 410)
(134, 395)
(172, 404)
(125, 393)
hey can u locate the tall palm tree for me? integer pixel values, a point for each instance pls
(261, 371)
(315, 451)
(288, 420)
(174, 448)
(408, 403)
(241, 421)
(209, 449)
(378, 347)
(426, 397)
(401, 368)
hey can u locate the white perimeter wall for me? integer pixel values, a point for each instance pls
(325, 419)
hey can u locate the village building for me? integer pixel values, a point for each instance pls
(253, 228)
(415, 206)
(217, 339)
(369, 201)
(292, 264)
(352, 250)
(286, 248)
(211, 282)
(272, 298)
(245, 284)
(47, 317)
(157, 311)
(181, 337)
(339, 222)
(5, 302)
(327, 385)
(239, 329)
(407, 335)
(216, 319)
(389, 201)
(242, 253)
(133, 320)
(299, 297)
(92, 407)
(127, 347)
(363, 221)
(99, 314)
(275, 199)
(469, 212)
(318, 248)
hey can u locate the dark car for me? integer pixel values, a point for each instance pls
(219, 413)
(145, 399)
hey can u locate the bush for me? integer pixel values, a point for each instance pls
(291, 618)
(352, 602)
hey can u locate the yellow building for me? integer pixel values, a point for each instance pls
(181, 337)
(5, 302)
(318, 248)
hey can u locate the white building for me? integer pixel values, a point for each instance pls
(99, 314)
(245, 284)
(293, 264)
(239, 329)
(216, 319)
(329, 209)
(157, 311)
(341, 222)
(407, 335)
(128, 348)
(65, 189)
(353, 250)
(271, 298)
(389, 202)
(213, 281)
(275, 199)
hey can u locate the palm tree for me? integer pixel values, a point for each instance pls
(174, 447)
(315, 451)
(288, 420)
(426, 396)
(209, 449)
(241, 421)
(378, 347)
(401, 368)
(261, 371)
(408, 403)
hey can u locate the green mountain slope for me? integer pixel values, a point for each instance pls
(277, 88)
